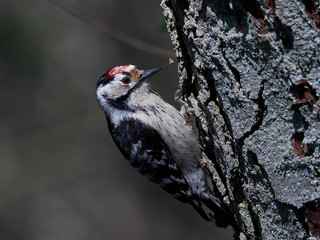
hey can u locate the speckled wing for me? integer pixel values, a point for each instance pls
(149, 154)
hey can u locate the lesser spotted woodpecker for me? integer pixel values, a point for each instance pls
(155, 138)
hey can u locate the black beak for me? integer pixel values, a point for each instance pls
(148, 73)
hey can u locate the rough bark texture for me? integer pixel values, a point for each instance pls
(253, 70)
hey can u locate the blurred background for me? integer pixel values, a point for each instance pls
(61, 176)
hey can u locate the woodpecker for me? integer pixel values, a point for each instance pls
(154, 137)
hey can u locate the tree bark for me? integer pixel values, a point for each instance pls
(252, 68)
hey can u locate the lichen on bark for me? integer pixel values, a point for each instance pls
(252, 67)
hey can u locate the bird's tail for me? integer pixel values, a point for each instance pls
(199, 208)
(217, 214)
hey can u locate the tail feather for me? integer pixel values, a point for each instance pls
(218, 214)
(210, 212)
(198, 207)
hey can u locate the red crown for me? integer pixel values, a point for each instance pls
(115, 70)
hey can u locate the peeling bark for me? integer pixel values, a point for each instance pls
(253, 69)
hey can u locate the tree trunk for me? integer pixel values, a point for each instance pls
(252, 68)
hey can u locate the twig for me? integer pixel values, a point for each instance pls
(121, 36)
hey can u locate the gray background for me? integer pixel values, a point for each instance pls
(61, 176)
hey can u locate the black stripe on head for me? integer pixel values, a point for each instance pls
(121, 103)
(103, 80)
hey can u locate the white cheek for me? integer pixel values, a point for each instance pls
(113, 90)
(103, 92)
(101, 97)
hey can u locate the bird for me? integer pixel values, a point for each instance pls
(156, 139)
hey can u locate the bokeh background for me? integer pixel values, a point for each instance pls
(61, 176)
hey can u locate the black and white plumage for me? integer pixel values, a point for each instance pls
(155, 138)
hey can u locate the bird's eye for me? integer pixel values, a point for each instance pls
(126, 81)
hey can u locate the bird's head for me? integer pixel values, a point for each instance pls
(119, 81)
